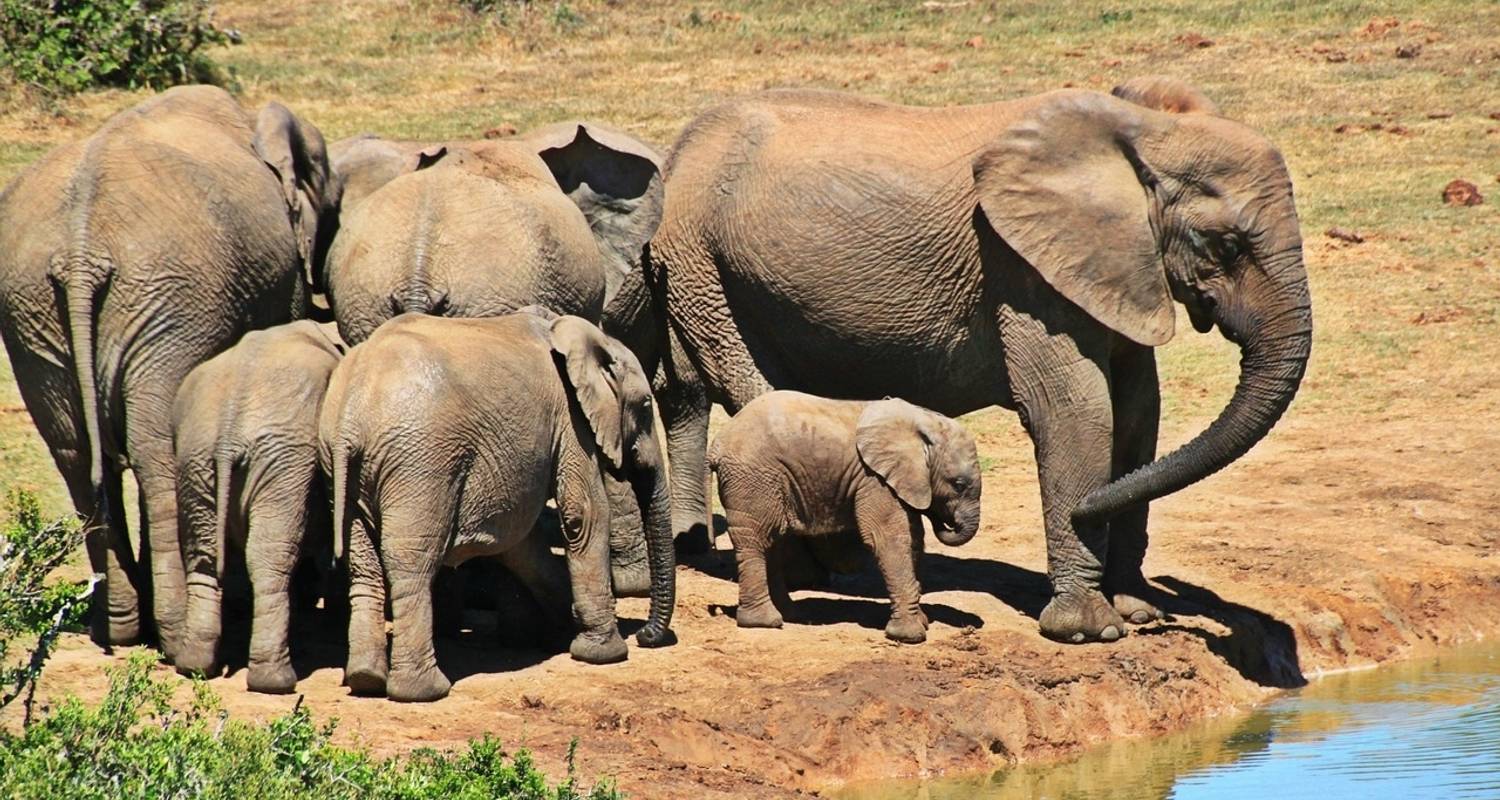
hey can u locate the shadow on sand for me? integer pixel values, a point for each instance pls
(1260, 647)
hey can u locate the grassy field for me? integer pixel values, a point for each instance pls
(1405, 320)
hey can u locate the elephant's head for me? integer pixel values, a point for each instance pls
(1123, 209)
(928, 461)
(614, 395)
(1164, 93)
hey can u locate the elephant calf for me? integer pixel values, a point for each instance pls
(245, 429)
(445, 438)
(794, 463)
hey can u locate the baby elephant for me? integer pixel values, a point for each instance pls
(794, 463)
(245, 426)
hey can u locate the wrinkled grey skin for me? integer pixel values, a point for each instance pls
(445, 438)
(792, 463)
(245, 425)
(1023, 254)
(557, 218)
(127, 259)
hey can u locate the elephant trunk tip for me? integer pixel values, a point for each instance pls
(655, 636)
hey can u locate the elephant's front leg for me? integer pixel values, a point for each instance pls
(583, 506)
(889, 530)
(1137, 411)
(630, 569)
(1063, 394)
(684, 413)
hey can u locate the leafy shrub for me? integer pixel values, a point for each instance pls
(135, 744)
(66, 46)
(31, 610)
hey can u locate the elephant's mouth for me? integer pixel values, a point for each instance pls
(1201, 313)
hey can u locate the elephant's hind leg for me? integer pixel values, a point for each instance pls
(761, 579)
(272, 546)
(411, 564)
(1137, 411)
(368, 666)
(148, 437)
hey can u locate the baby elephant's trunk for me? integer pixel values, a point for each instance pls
(962, 531)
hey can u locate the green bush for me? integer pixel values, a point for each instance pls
(31, 610)
(136, 743)
(66, 46)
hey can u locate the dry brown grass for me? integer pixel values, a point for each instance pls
(1404, 320)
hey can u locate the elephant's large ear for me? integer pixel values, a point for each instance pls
(613, 178)
(893, 443)
(1066, 187)
(295, 151)
(1165, 93)
(591, 371)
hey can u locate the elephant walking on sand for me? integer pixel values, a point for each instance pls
(790, 463)
(127, 259)
(245, 424)
(445, 438)
(1024, 253)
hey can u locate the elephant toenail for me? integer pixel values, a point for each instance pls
(1140, 617)
(1110, 633)
(1077, 637)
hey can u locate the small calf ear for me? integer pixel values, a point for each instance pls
(892, 443)
(1164, 93)
(588, 365)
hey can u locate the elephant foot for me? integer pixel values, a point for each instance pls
(111, 630)
(272, 678)
(1135, 610)
(631, 581)
(609, 649)
(199, 660)
(763, 615)
(366, 678)
(907, 628)
(1081, 616)
(418, 685)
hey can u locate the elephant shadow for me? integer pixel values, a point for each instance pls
(1260, 647)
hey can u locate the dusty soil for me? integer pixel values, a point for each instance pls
(1326, 548)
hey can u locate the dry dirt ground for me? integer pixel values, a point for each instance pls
(1361, 531)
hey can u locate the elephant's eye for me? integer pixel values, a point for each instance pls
(1226, 248)
(960, 483)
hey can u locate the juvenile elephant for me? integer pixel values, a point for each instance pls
(127, 259)
(792, 463)
(445, 438)
(245, 424)
(1022, 253)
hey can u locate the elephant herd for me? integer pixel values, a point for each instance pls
(388, 357)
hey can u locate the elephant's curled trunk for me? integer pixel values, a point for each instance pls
(651, 492)
(1275, 340)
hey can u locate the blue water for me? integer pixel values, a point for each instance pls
(1428, 729)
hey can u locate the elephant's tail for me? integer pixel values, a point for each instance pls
(714, 451)
(223, 481)
(81, 286)
(343, 512)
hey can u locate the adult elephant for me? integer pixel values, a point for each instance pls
(126, 259)
(1023, 253)
(557, 217)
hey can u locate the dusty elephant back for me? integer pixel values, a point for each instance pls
(456, 242)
